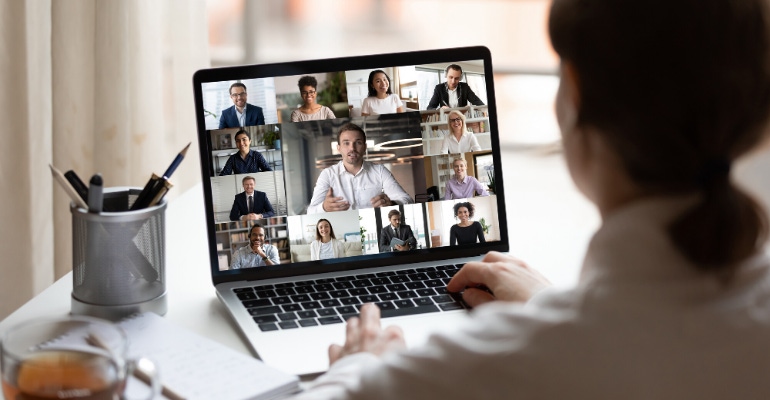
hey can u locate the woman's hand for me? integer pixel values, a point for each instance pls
(364, 333)
(506, 277)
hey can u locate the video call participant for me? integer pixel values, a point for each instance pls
(354, 183)
(396, 230)
(463, 186)
(381, 99)
(458, 140)
(241, 113)
(245, 161)
(453, 93)
(250, 204)
(325, 244)
(673, 300)
(465, 231)
(310, 110)
(257, 253)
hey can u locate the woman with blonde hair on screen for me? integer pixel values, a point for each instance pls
(458, 140)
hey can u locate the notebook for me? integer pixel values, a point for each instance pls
(315, 244)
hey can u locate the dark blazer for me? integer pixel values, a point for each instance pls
(464, 95)
(241, 206)
(229, 118)
(404, 233)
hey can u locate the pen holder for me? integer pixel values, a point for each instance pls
(118, 257)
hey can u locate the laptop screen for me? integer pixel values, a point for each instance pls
(340, 164)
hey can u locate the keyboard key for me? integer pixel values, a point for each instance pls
(425, 269)
(263, 287)
(446, 281)
(396, 287)
(287, 316)
(385, 273)
(350, 301)
(434, 283)
(339, 293)
(285, 291)
(362, 283)
(291, 307)
(414, 285)
(300, 298)
(423, 301)
(443, 298)
(348, 316)
(311, 305)
(323, 287)
(388, 296)
(399, 279)
(326, 312)
(264, 310)
(377, 289)
(407, 294)
(345, 278)
(397, 312)
(304, 289)
(436, 274)
(330, 303)
(264, 319)
(418, 277)
(325, 280)
(266, 294)
(257, 303)
(346, 310)
(243, 289)
(320, 296)
(441, 290)
(379, 281)
(308, 322)
(385, 305)
(247, 296)
(358, 291)
(342, 285)
(406, 272)
(451, 306)
(450, 273)
(403, 303)
(284, 285)
(268, 327)
(369, 298)
(281, 300)
(426, 292)
(304, 283)
(288, 325)
(330, 320)
(307, 314)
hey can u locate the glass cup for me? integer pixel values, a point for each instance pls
(69, 358)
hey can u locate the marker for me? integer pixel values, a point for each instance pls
(71, 192)
(95, 194)
(77, 184)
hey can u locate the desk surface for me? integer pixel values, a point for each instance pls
(549, 226)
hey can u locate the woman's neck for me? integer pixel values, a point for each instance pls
(326, 239)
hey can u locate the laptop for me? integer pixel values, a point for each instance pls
(273, 132)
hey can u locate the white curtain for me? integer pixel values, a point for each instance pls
(93, 86)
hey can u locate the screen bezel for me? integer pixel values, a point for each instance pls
(446, 56)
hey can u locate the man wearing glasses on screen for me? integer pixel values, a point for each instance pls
(241, 113)
(453, 93)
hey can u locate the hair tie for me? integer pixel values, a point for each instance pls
(712, 170)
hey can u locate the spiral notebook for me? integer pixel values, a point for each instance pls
(193, 366)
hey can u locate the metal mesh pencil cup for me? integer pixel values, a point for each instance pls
(118, 258)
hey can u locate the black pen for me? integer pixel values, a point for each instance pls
(95, 194)
(77, 184)
(71, 192)
(155, 185)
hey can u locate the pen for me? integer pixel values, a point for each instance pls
(77, 184)
(74, 196)
(154, 185)
(95, 194)
(162, 188)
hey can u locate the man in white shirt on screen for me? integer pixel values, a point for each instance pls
(354, 183)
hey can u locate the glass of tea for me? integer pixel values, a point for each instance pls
(76, 357)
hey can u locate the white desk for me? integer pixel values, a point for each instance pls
(549, 226)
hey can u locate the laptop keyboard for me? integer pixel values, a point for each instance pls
(334, 300)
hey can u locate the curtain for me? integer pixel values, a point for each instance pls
(91, 86)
